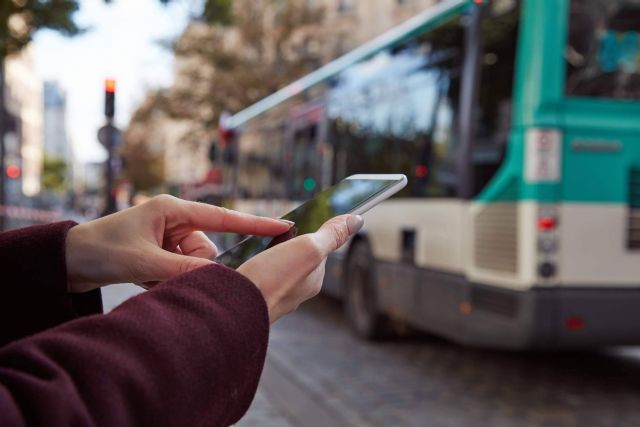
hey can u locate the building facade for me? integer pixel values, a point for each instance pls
(24, 103)
(56, 140)
(354, 22)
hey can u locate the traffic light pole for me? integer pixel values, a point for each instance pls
(110, 200)
(2, 147)
(109, 141)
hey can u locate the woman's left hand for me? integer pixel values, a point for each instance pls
(153, 242)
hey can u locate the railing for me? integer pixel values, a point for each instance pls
(18, 216)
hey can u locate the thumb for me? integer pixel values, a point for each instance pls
(167, 264)
(335, 232)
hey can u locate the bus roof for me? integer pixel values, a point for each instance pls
(416, 25)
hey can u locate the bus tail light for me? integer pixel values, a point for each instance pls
(574, 323)
(546, 223)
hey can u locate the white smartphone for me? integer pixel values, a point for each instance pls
(353, 195)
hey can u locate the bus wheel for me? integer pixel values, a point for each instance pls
(361, 306)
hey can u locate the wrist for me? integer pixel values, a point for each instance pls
(78, 262)
(270, 298)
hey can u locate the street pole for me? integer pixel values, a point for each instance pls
(107, 136)
(110, 201)
(3, 114)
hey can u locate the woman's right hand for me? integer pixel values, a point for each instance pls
(290, 273)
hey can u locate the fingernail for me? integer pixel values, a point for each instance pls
(286, 221)
(354, 223)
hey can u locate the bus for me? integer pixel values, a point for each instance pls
(518, 125)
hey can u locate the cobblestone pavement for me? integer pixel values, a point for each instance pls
(317, 374)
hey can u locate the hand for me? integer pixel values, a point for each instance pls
(290, 273)
(153, 242)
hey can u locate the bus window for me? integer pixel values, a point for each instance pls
(603, 49)
(395, 113)
(260, 171)
(500, 33)
(303, 164)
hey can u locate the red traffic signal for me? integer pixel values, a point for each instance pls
(13, 171)
(110, 98)
(110, 86)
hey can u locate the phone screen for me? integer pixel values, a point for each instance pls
(342, 198)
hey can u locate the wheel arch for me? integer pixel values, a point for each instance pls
(359, 239)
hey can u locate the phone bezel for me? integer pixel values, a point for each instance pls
(401, 181)
(376, 199)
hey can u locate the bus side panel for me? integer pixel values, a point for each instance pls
(450, 306)
(334, 276)
(397, 291)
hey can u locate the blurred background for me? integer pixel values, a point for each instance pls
(501, 287)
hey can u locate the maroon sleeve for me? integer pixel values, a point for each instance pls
(33, 288)
(187, 353)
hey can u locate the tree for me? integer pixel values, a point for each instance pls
(19, 20)
(144, 162)
(260, 46)
(53, 174)
(218, 12)
(270, 44)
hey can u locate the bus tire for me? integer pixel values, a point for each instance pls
(360, 299)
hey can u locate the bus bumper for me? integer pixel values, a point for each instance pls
(552, 318)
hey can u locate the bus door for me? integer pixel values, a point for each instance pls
(599, 219)
(307, 155)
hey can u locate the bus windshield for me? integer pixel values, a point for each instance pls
(603, 49)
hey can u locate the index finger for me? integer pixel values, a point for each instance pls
(215, 218)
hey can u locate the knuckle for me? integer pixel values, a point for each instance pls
(222, 212)
(210, 247)
(208, 244)
(163, 200)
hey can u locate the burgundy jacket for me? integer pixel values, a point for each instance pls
(189, 352)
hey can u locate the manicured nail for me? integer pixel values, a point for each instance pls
(286, 221)
(354, 223)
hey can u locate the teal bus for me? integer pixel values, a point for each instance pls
(518, 125)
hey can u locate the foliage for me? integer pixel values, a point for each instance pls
(20, 19)
(144, 162)
(54, 174)
(218, 12)
(270, 44)
(145, 170)
(227, 66)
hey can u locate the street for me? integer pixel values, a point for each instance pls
(317, 374)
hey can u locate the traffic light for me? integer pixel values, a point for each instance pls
(309, 184)
(110, 98)
(13, 171)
